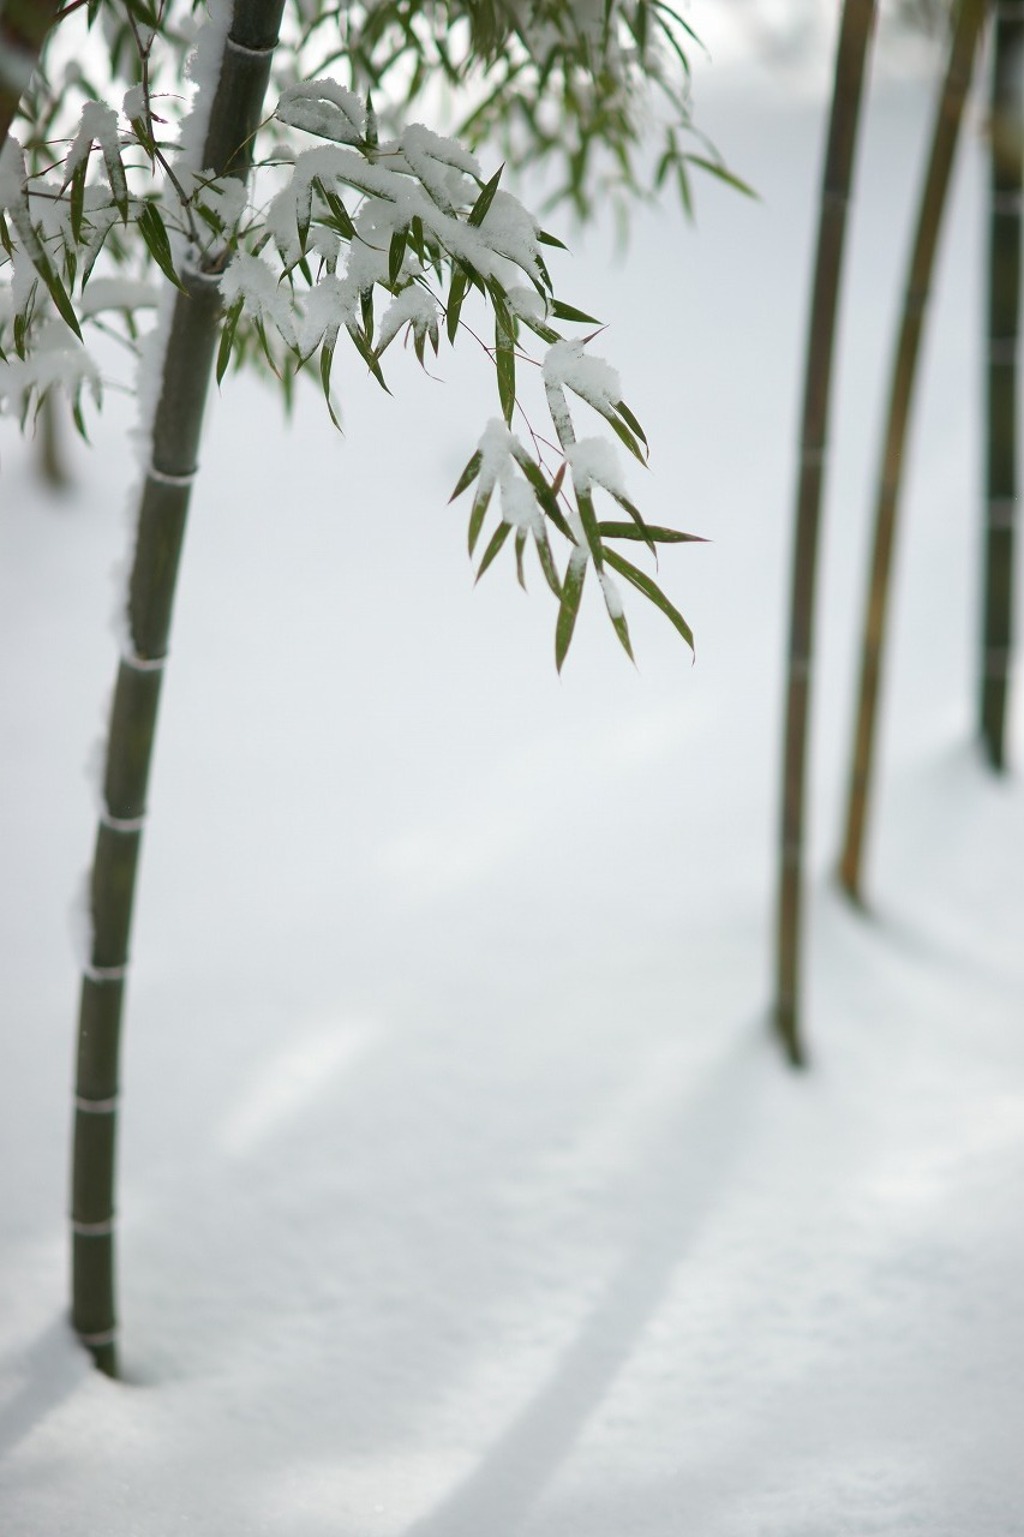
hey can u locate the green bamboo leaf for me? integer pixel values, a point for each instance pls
(572, 593)
(456, 294)
(714, 168)
(477, 513)
(650, 589)
(520, 552)
(591, 529)
(154, 233)
(569, 312)
(650, 531)
(366, 308)
(326, 363)
(339, 213)
(505, 362)
(479, 210)
(368, 355)
(227, 339)
(546, 239)
(621, 629)
(468, 475)
(497, 540)
(396, 254)
(58, 293)
(78, 200)
(623, 433)
(547, 560)
(631, 421)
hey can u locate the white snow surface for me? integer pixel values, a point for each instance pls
(462, 1192)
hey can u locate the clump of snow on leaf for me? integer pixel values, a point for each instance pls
(594, 462)
(567, 365)
(325, 108)
(413, 306)
(497, 446)
(255, 282)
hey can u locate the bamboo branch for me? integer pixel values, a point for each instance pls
(1006, 177)
(177, 425)
(934, 195)
(851, 58)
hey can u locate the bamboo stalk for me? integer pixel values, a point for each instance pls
(1006, 178)
(855, 32)
(23, 28)
(163, 508)
(934, 195)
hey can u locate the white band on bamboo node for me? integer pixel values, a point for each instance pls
(143, 663)
(105, 973)
(250, 53)
(122, 824)
(93, 1229)
(104, 1337)
(96, 1106)
(165, 478)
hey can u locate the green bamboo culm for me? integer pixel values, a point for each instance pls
(1006, 176)
(23, 28)
(173, 455)
(969, 23)
(855, 32)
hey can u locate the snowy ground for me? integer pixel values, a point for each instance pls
(462, 1193)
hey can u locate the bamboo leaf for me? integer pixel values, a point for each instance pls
(326, 363)
(715, 168)
(547, 560)
(456, 294)
(572, 593)
(396, 255)
(368, 355)
(547, 239)
(78, 200)
(568, 312)
(227, 339)
(468, 475)
(497, 540)
(58, 293)
(154, 233)
(477, 513)
(591, 530)
(631, 421)
(479, 210)
(505, 362)
(650, 531)
(650, 589)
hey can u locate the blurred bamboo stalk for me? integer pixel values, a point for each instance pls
(163, 508)
(1006, 177)
(855, 33)
(23, 28)
(969, 22)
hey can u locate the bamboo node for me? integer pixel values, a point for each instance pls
(165, 477)
(93, 1229)
(125, 825)
(250, 53)
(1002, 511)
(102, 974)
(136, 663)
(1002, 351)
(96, 1106)
(96, 1341)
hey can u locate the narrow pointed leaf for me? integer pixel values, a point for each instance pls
(650, 531)
(520, 552)
(479, 210)
(569, 312)
(396, 255)
(650, 589)
(495, 544)
(456, 294)
(477, 513)
(154, 233)
(572, 593)
(631, 421)
(468, 475)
